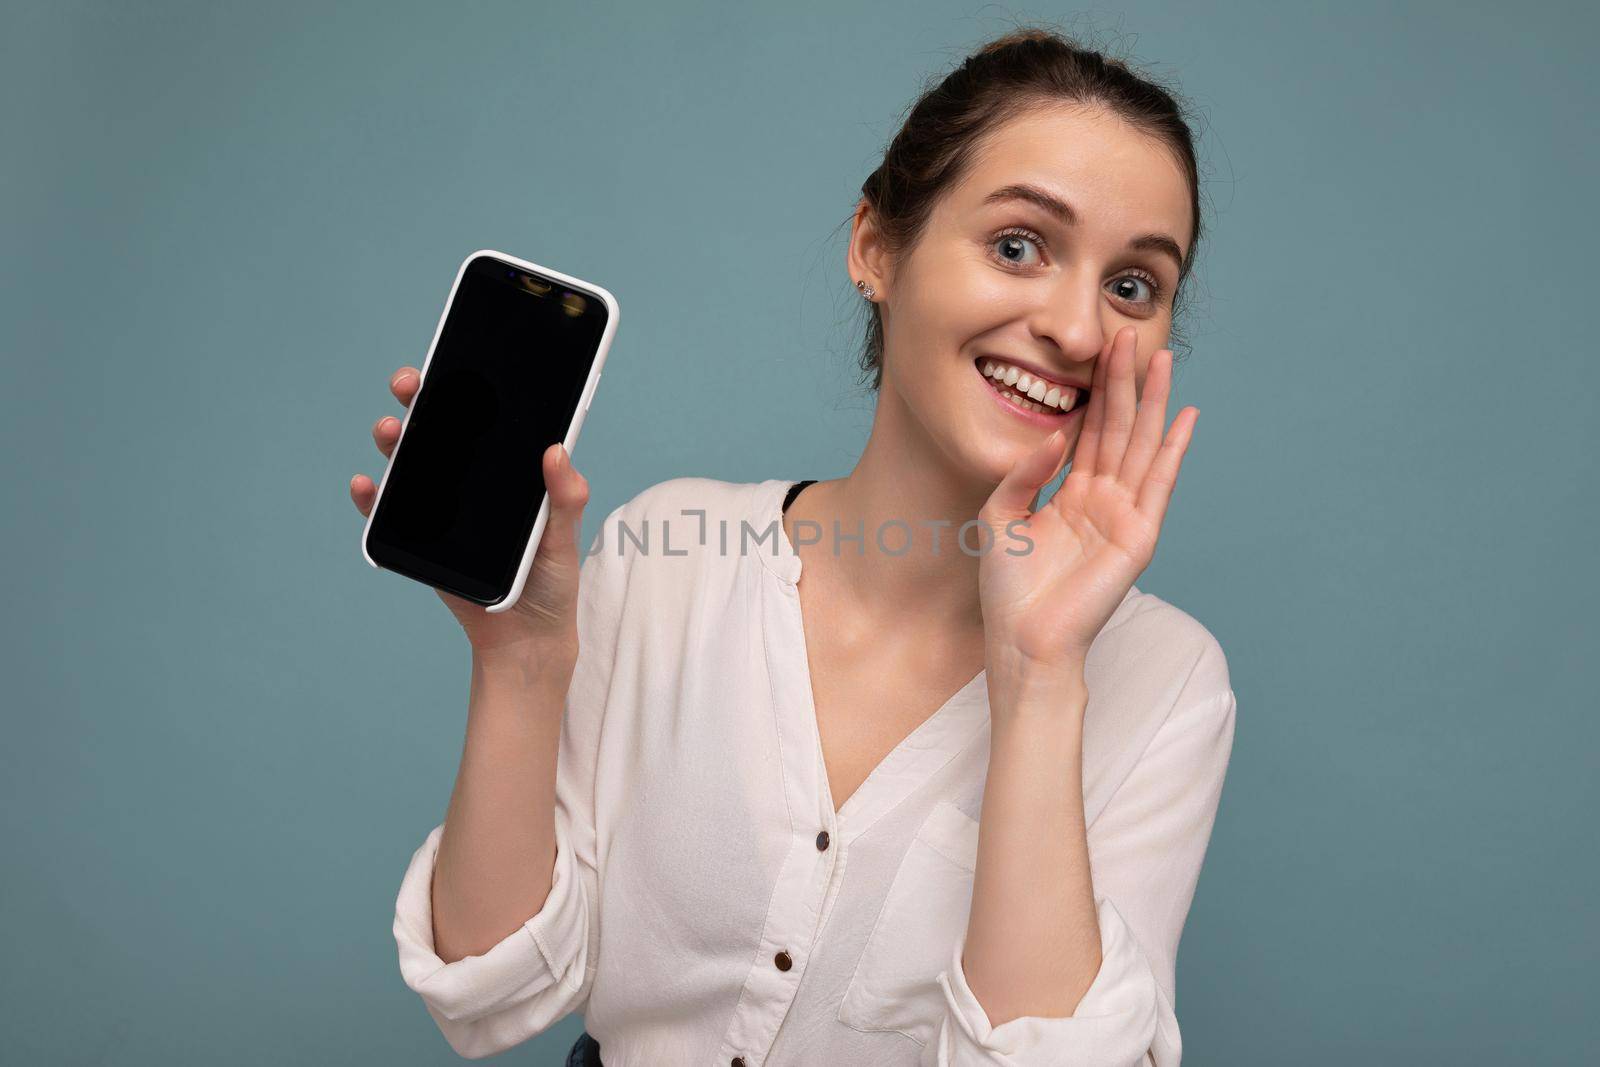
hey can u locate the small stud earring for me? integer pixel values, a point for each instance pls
(866, 290)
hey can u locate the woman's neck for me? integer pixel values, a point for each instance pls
(902, 494)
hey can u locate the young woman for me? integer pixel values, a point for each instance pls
(893, 768)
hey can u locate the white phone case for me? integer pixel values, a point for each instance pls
(571, 439)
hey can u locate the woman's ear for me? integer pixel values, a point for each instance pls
(866, 259)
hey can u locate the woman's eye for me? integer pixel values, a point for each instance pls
(1012, 247)
(1128, 287)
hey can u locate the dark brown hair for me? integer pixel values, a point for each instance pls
(1020, 71)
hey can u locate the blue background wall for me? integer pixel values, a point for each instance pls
(224, 226)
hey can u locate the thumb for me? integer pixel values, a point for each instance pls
(1011, 498)
(569, 492)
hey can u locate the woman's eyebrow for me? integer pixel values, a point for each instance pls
(1033, 194)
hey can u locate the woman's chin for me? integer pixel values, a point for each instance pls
(999, 459)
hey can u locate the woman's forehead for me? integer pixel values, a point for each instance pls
(1108, 172)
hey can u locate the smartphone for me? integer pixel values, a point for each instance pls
(512, 369)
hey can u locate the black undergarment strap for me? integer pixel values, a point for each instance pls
(794, 491)
(586, 1053)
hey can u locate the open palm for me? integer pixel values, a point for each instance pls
(1045, 605)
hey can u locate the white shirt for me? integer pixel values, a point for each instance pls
(697, 914)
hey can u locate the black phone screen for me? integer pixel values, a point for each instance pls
(502, 385)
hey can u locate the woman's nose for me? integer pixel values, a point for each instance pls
(1072, 320)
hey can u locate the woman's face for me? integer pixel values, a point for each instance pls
(997, 276)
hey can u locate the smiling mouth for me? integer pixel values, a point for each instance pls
(1029, 393)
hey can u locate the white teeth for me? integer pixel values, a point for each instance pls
(1027, 404)
(1051, 399)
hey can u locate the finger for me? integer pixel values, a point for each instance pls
(1120, 404)
(403, 384)
(1150, 421)
(569, 492)
(1085, 454)
(385, 432)
(1013, 496)
(1156, 492)
(363, 492)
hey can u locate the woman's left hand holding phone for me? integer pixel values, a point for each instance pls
(495, 864)
(545, 617)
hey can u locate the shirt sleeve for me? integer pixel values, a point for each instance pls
(1146, 849)
(544, 969)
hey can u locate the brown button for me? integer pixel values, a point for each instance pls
(738, 1061)
(783, 961)
(822, 841)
